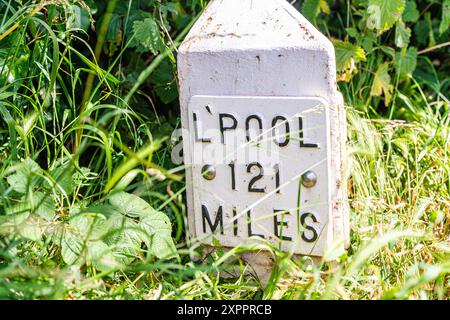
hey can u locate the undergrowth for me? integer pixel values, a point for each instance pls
(91, 206)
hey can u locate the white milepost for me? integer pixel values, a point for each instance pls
(264, 129)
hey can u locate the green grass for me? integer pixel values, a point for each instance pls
(62, 156)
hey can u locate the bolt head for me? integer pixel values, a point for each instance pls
(309, 179)
(209, 172)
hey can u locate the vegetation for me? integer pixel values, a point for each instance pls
(91, 206)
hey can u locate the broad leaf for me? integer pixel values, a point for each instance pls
(382, 83)
(154, 227)
(32, 228)
(26, 176)
(89, 223)
(18, 220)
(347, 57)
(129, 204)
(147, 34)
(42, 204)
(312, 8)
(164, 82)
(63, 175)
(124, 237)
(405, 62)
(78, 18)
(383, 14)
(167, 92)
(402, 35)
(411, 14)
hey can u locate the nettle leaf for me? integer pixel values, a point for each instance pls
(352, 32)
(347, 56)
(405, 62)
(26, 176)
(383, 14)
(402, 35)
(312, 8)
(154, 227)
(411, 14)
(147, 34)
(382, 83)
(445, 21)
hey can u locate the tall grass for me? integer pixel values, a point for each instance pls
(62, 156)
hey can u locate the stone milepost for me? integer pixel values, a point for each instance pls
(263, 129)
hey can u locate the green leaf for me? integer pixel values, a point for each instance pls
(32, 228)
(89, 223)
(402, 35)
(63, 175)
(100, 256)
(312, 8)
(347, 56)
(113, 33)
(154, 227)
(18, 220)
(405, 62)
(382, 83)
(26, 176)
(169, 7)
(159, 235)
(411, 14)
(129, 204)
(352, 32)
(445, 21)
(164, 82)
(71, 247)
(422, 32)
(383, 14)
(124, 237)
(168, 92)
(78, 19)
(147, 34)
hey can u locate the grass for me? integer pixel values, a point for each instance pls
(399, 187)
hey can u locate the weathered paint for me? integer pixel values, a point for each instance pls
(264, 48)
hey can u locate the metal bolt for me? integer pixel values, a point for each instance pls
(309, 179)
(209, 172)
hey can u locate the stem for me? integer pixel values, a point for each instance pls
(439, 46)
